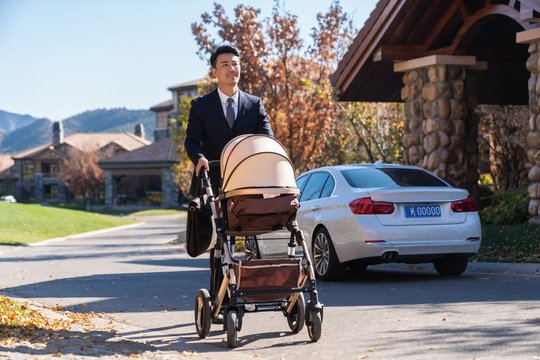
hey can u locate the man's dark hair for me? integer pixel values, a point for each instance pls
(224, 49)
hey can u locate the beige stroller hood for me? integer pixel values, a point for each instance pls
(256, 164)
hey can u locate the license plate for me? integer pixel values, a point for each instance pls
(417, 211)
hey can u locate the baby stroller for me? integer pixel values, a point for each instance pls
(257, 195)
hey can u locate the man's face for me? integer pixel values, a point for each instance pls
(227, 70)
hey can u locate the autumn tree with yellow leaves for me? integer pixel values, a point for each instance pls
(292, 79)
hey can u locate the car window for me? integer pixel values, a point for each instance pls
(389, 177)
(301, 181)
(328, 187)
(314, 186)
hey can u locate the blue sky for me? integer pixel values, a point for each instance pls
(62, 57)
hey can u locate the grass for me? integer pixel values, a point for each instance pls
(510, 243)
(28, 223)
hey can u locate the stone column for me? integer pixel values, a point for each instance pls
(168, 189)
(440, 130)
(532, 37)
(38, 186)
(109, 188)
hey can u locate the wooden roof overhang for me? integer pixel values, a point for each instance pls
(400, 30)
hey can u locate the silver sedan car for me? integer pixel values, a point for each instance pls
(353, 216)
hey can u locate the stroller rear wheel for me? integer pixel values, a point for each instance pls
(232, 328)
(297, 316)
(314, 324)
(203, 313)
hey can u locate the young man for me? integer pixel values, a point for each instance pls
(214, 119)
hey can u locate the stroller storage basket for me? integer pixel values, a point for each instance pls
(272, 274)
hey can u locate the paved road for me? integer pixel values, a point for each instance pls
(148, 282)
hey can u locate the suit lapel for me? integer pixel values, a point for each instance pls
(241, 110)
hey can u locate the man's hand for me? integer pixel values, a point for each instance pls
(200, 163)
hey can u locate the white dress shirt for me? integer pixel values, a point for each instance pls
(224, 103)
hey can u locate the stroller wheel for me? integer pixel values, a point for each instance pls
(297, 316)
(314, 324)
(203, 313)
(232, 328)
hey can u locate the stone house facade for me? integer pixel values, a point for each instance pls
(38, 171)
(442, 59)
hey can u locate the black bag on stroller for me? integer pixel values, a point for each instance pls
(200, 227)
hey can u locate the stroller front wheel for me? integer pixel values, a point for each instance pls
(314, 324)
(232, 328)
(203, 313)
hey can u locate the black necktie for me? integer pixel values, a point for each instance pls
(230, 112)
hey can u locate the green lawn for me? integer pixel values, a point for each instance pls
(28, 223)
(510, 243)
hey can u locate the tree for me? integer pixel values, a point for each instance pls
(82, 175)
(502, 139)
(292, 80)
(376, 132)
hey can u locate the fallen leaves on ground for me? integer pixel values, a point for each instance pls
(25, 323)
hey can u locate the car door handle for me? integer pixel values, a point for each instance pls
(315, 208)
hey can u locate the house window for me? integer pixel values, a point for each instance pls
(50, 170)
(28, 171)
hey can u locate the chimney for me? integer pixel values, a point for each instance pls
(57, 133)
(139, 130)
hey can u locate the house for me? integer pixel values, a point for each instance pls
(38, 171)
(168, 109)
(442, 59)
(147, 171)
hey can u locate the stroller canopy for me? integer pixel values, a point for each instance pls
(256, 164)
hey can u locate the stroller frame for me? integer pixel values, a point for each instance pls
(210, 305)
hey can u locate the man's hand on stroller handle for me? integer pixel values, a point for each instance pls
(200, 163)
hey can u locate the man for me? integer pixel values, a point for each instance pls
(215, 119)
(213, 122)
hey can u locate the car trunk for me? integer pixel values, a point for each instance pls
(420, 205)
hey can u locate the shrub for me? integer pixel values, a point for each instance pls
(512, 209)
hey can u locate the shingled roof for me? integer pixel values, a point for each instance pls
(159, 154)
(401, 30)
(91, 142)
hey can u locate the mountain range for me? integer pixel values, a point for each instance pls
(22, 132)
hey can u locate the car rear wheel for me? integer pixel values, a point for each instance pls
(326, 263)
(451, 265)
(251, 248)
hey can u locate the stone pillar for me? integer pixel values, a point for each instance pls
(38, 186)
(440, 130)
(168, 189)
(109, 188)
(532, 37)
(62, 192)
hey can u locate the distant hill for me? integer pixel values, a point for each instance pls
(39, 132)
(10, 122)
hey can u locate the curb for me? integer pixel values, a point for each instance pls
(473, 267)
(95, 232)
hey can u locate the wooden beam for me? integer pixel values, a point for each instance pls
(398, 52)
(528, 36)
(527, 13)
(431, 60)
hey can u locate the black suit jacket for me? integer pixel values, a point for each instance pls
(208, 131)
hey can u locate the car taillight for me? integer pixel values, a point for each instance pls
(365, 206)
(465, 205)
